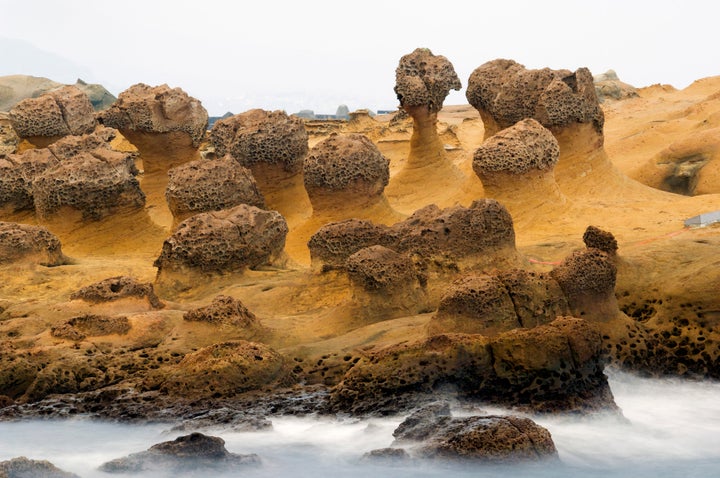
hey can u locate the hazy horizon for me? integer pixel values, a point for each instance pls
(319, 54)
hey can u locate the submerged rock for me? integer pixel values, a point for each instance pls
(196, 453)
(23, 467)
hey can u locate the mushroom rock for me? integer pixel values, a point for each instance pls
(17, 172)
(226, 311)
(218, 242)
(165, 124)
(25, 243)
(516, 167)
(422, 82)
(210, 185)
(93, 187)
(22, 467)
(335, 242)
(587, 279)
(596, 238)
(193, 454)
(553, 367)
(345, 176)
(272, 145)
(9, 139)
(385, 284)
(118, 288)
(537, 298)
(58, 113)
(224, 370)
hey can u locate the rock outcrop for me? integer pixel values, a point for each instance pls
(30, 244)
(609, 86)
(210, 185)
(91, 325)
(225, 311)
(553, 367)
(505, 92)
(194, 453)
(230, 240)
(55, 114)
(17, 173)
(334, 242)
(118, 288)
(22, 467)
(8, 137)
(15, 88)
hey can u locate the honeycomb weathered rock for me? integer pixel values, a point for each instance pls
(60, 112)
(424, 79)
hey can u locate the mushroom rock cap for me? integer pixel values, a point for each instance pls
(588, 280)
(504, 92)
(210, 185)
(60, 112)
(333, 243)
(424, 79)
(17, 172)
(377, 268)
(346, 163)
(262, 137)
(596, 238)
(525, 146)
(22, 242)
(158, 109)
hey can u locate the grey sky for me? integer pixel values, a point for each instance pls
(317, 54)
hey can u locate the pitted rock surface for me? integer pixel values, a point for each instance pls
(91, 325)
(586, 273)
(210, 185)
(424, 79)
(259, 137)
(377, 268)
(159, 109)
(333, 243)
(505, 92)
(22, 467)
(116, 288)
(596, 238)
(8, 137)
(22, 242)
(225, 241)
(525, 146)
(17, 173)
(223, 310)
(60, 112)
(93, 186)
(346, 163)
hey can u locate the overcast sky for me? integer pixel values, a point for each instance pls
(317, 54)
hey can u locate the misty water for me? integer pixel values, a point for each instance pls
(671, 428)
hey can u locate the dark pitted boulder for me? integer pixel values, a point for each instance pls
(424, 79)
(98, 144)
(596, 238)
(588, 280)
(160, 109)
(35, 244)
(420, 424)
(333, 243)
(224, 310)
(210, 185)
(57, 113)
(117, 288)
(9, 139)
(91, 325)
(504, 92)
(553, 367)
(93, 187)
(345, 170)
(225, 370)
(230, 240)
(22, 467)
(194, 453)
(17, 172)
(537, 298)
(491, 439)
(377, 268)
(269, 143)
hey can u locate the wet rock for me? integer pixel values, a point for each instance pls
(224, 310)
(196, 453)
(224, 241)
(554, 367)
(57, 113)
(226, 418)
(386, 456)
(505, 92)
(596, 238)
(25, 243)
(91, 186)
(421, 423)
(90, 325)
(210, 185)
(225, 370)
(116, 288)
(23, 467)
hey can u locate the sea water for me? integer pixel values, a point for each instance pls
(669, 428)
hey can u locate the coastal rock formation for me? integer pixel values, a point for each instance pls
(210, 185)
(194, 453)
(22, 467)
(8, 137)
(596, 238)
(15, 88)
(31, 244)
(345, 171)
(489, 438)
(17, 173)
(224, 310)
(609, 86)
(165, 124)
(55, 114)
(91, 325)
(505, 92)
(520, 159)
(93, 187)
(224, 370)
(118, 288)
(424, 80)
(553, 367)
(230, 240)
(334, 242)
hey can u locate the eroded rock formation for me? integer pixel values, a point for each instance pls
(17, 172)
(31, 244)
(117, 288)
(91, 325)
(8, 137)
(22, 467)
(224, 310)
